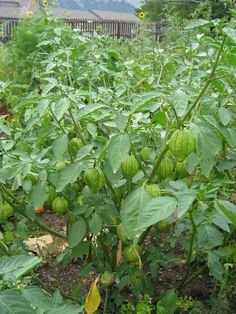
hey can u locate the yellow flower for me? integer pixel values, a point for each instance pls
(29, 14)
(45, 3)
(55, 1)
(35, 3)
(141, 15)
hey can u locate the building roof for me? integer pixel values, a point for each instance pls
(19, 8)
(110, 15)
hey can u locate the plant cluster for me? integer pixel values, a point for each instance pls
(138, 154)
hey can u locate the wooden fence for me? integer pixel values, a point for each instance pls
(119, 29)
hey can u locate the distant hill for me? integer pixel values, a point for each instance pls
(108, 5)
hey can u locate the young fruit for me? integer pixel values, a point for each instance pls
(107, 278)
(181, 170)
(60, 205)
(145, 153)
(162, 225)
(130, 167)
(181, 144)
(152, 189)
(132, 253)
(95, 179)
(165, 169)
(122, 235)
(75, 144)
(6, 211)
(52, 194)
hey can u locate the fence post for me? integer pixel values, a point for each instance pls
(118, 29)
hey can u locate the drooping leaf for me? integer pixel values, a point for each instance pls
(215, 267)
(69, 175)
(131, 210)
(209, 236)
(180, 102)
(208, 145)
(228, 209)
(77, 232)
(95, 224)
(185, 200)
(93, 299)
(39, 195)
(60, 146)
(61, 107)
(156, 210)
(118, 149)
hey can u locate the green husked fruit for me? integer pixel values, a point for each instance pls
(152, 189)
(145, 153)
(52, 194)
(122, 235)
(132, 253)
(75, 144)
(166, 169)
(181, 144)
(60, 205)
(130, 167)
(6, 211)
(107, 278)
(162, 225)
(181, 170)
(95, 179)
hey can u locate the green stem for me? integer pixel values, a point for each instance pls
(106, 302)
(62, 129)
(192, 238)
(78, 127)
(4, 248)
(137, 158)
(19, 209)
(208, 82)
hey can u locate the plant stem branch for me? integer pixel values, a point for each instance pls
(36, 221)
(208, 82)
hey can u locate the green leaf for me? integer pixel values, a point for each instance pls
(208, 145)
(43, 302)
(61, 107)
(185, 200)
(228, 209)
(16, 266)
(168, 301)
(60, 146)
(209, 236)
(118, 149)
(13, 303)
(69, 175)
(231, 33)
(156, 210)
(180, 102)
(227, 133)
(37, 297)
(83, 152)
(95, 224)
(224, 115)
(77, 232)
(38, 195)
(131, 210)
(198, 23)
(214, 265)
(88, 110)
(5, 129)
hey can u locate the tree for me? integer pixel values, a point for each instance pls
(157, 10)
